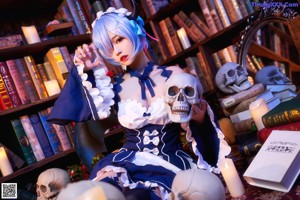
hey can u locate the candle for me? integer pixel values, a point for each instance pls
(257, 109)
(5, 166)
(231, 177)
(31, 34)
(185, 42)
(52, 87)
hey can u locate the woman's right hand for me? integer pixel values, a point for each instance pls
(88, 56)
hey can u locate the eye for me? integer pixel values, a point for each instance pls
(118, 40)
(189, 91)
(172, 91)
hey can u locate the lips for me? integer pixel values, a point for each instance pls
(124, 58)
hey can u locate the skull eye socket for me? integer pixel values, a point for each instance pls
(43, 188)
(231, 73)
(189, 91)
(172, 91)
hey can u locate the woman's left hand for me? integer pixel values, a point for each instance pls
(199, 111)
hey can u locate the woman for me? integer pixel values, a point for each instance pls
(152, 153)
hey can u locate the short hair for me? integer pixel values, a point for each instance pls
(118, 25)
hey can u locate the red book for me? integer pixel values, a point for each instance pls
(5, 101)
(10, 86)
(264, 133)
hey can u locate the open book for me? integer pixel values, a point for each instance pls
(277, 164)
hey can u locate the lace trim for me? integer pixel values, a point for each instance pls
(103, 93)
(224, 148)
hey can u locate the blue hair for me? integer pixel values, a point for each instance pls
(121, 26)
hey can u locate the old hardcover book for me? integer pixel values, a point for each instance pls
(236, 98)
(59, 66)
(201, 24)
(276, 165)
(83, 16)
(207, 15)
(10, 86)
(25, 75)
(17, 79)
(65, 13)
(33, 140)
(23, 141)
(284, 113)
(36, 78)
(49, 70)
(214, 14)
(167, 37)
(222, 13)
(279, 88)
(5, 100)
(42, 72)
(41, 135)
(50, 132)
(233, 10)
(244, 126)
(173, 34)
(191, 25)
(206, 70)
(190, 33)
(66, 56)
(162, 46)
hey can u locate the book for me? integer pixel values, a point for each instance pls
(162, 46)
(42, 72)
(25, 75)
(163, 27)
(59, 66)
(244, 126)
(222, 13)
(11, 41)
(236, 98)
(50, 132)
(173, 34)
(65, 13)
(36, 78)
(201, 24)
(5, 100)
(9, 84)
(17, 79)
(214, 14)
(41, 135)
(49, 70)
(32, 138)
(284, 113)
(264, 133)
(83, 16)
(66, 56)
(23, 141)
(242, 7)
(207, 16)
(206, 71)
(276, 165)
(278, 88)
(233, 10)
(246, 114)
(285, 95)
(191, 25)
(250, 148)
(190, 33)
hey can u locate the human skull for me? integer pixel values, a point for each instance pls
(50, 182)
(197, 184)
(232, 78)
(181, 92)
(271, 75)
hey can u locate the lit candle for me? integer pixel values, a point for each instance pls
(5, 166)
(52, 87)
(185, 42)
(257, 109)
(231, 177)
(31, 34)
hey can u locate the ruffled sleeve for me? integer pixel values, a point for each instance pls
(79, 101)
(208, 142)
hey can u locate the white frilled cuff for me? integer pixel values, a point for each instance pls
(103, 93)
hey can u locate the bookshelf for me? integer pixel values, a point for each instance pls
(14, 14)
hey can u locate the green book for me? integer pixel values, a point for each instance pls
(23, 141)
(285, 113)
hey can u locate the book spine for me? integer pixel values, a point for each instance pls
(243, 8)
(17, 79)
(25, 75)
(23, 141)
(244, 126)
(244, 105)
(250, 149)
(33, 140)
(200, 24)
(41, 135)
(233, 10)
(281, 118)
(66, 56)
(241, 96)
(83, 16)
(59, 66)
(206, 71)
(5, 100)
(264, 133)
(35, 76)
(207, 15)
(70, 129)
(42, 72)
(222, 13)
(50, 132)
(199, 34)
(161, 45)
(65, 12)
(173, 34)
(10, 86)
(189, 31)
(49, 70)
(214, 14)
(77, 18)
(167, 37)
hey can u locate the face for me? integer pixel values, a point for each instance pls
(123, 49)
